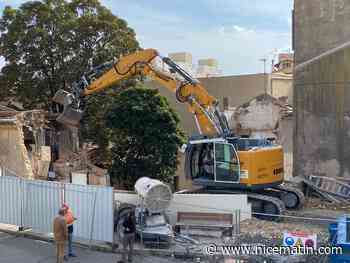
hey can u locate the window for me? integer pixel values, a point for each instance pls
(226, 163)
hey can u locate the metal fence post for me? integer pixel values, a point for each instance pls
(233, 223)
(93, 219)
(236, 220)
(238, 223)
(22, 192)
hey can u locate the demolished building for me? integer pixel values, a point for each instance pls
(32, 144)
(22, 150)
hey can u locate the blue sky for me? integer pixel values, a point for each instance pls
(238, 33)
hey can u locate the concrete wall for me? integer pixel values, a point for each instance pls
(196, 203)
(238, 90)
(319, 25)
(282, 86)
(322, 137)
(13, 153)
(208, 203)
(321, 91)
(285, 138)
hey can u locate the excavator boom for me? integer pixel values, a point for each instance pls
(142, 63)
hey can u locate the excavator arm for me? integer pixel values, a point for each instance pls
(188, 90)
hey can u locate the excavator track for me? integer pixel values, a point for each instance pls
(292, 197)
(266, 207)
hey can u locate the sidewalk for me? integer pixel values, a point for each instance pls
(18, 249)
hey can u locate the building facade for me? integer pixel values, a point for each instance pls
(321, 90)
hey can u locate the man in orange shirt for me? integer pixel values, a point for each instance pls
(69, 220)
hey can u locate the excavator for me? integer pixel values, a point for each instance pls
(216, 160)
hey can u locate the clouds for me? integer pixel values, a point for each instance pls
(237, 33)
(238, 51)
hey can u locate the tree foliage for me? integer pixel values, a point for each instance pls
(145, 135)
(48, 44)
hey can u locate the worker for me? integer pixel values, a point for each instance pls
(207, 162)
(70, 221)
(129, 226)
(60, 232)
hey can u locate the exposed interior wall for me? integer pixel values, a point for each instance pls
(40, 162)
(260, 117)
(13, 153)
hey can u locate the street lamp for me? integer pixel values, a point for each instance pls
(264, 60)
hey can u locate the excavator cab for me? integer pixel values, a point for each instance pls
(210, 162)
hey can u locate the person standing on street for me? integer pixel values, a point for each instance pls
(70, 221)
(60, 234)
(129, 226)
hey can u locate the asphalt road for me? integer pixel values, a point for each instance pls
(18, 249)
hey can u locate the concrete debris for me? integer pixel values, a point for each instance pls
(81, 162)
(260, 116)
(31, 140)
(331, 189)
(16, 155)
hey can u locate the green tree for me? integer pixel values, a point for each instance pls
(145, 135)
(48, 44)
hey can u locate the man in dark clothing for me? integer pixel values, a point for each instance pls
(129, 226)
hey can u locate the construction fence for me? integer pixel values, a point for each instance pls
(33, 204)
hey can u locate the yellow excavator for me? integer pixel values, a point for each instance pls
(216, 159)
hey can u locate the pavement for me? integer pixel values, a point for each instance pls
(15, 249)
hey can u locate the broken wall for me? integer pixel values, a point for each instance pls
(267, 117)
(13, 153)
(259, 117)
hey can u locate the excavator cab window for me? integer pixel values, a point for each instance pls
(202, 162)
(226, 163)
(214, 162)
